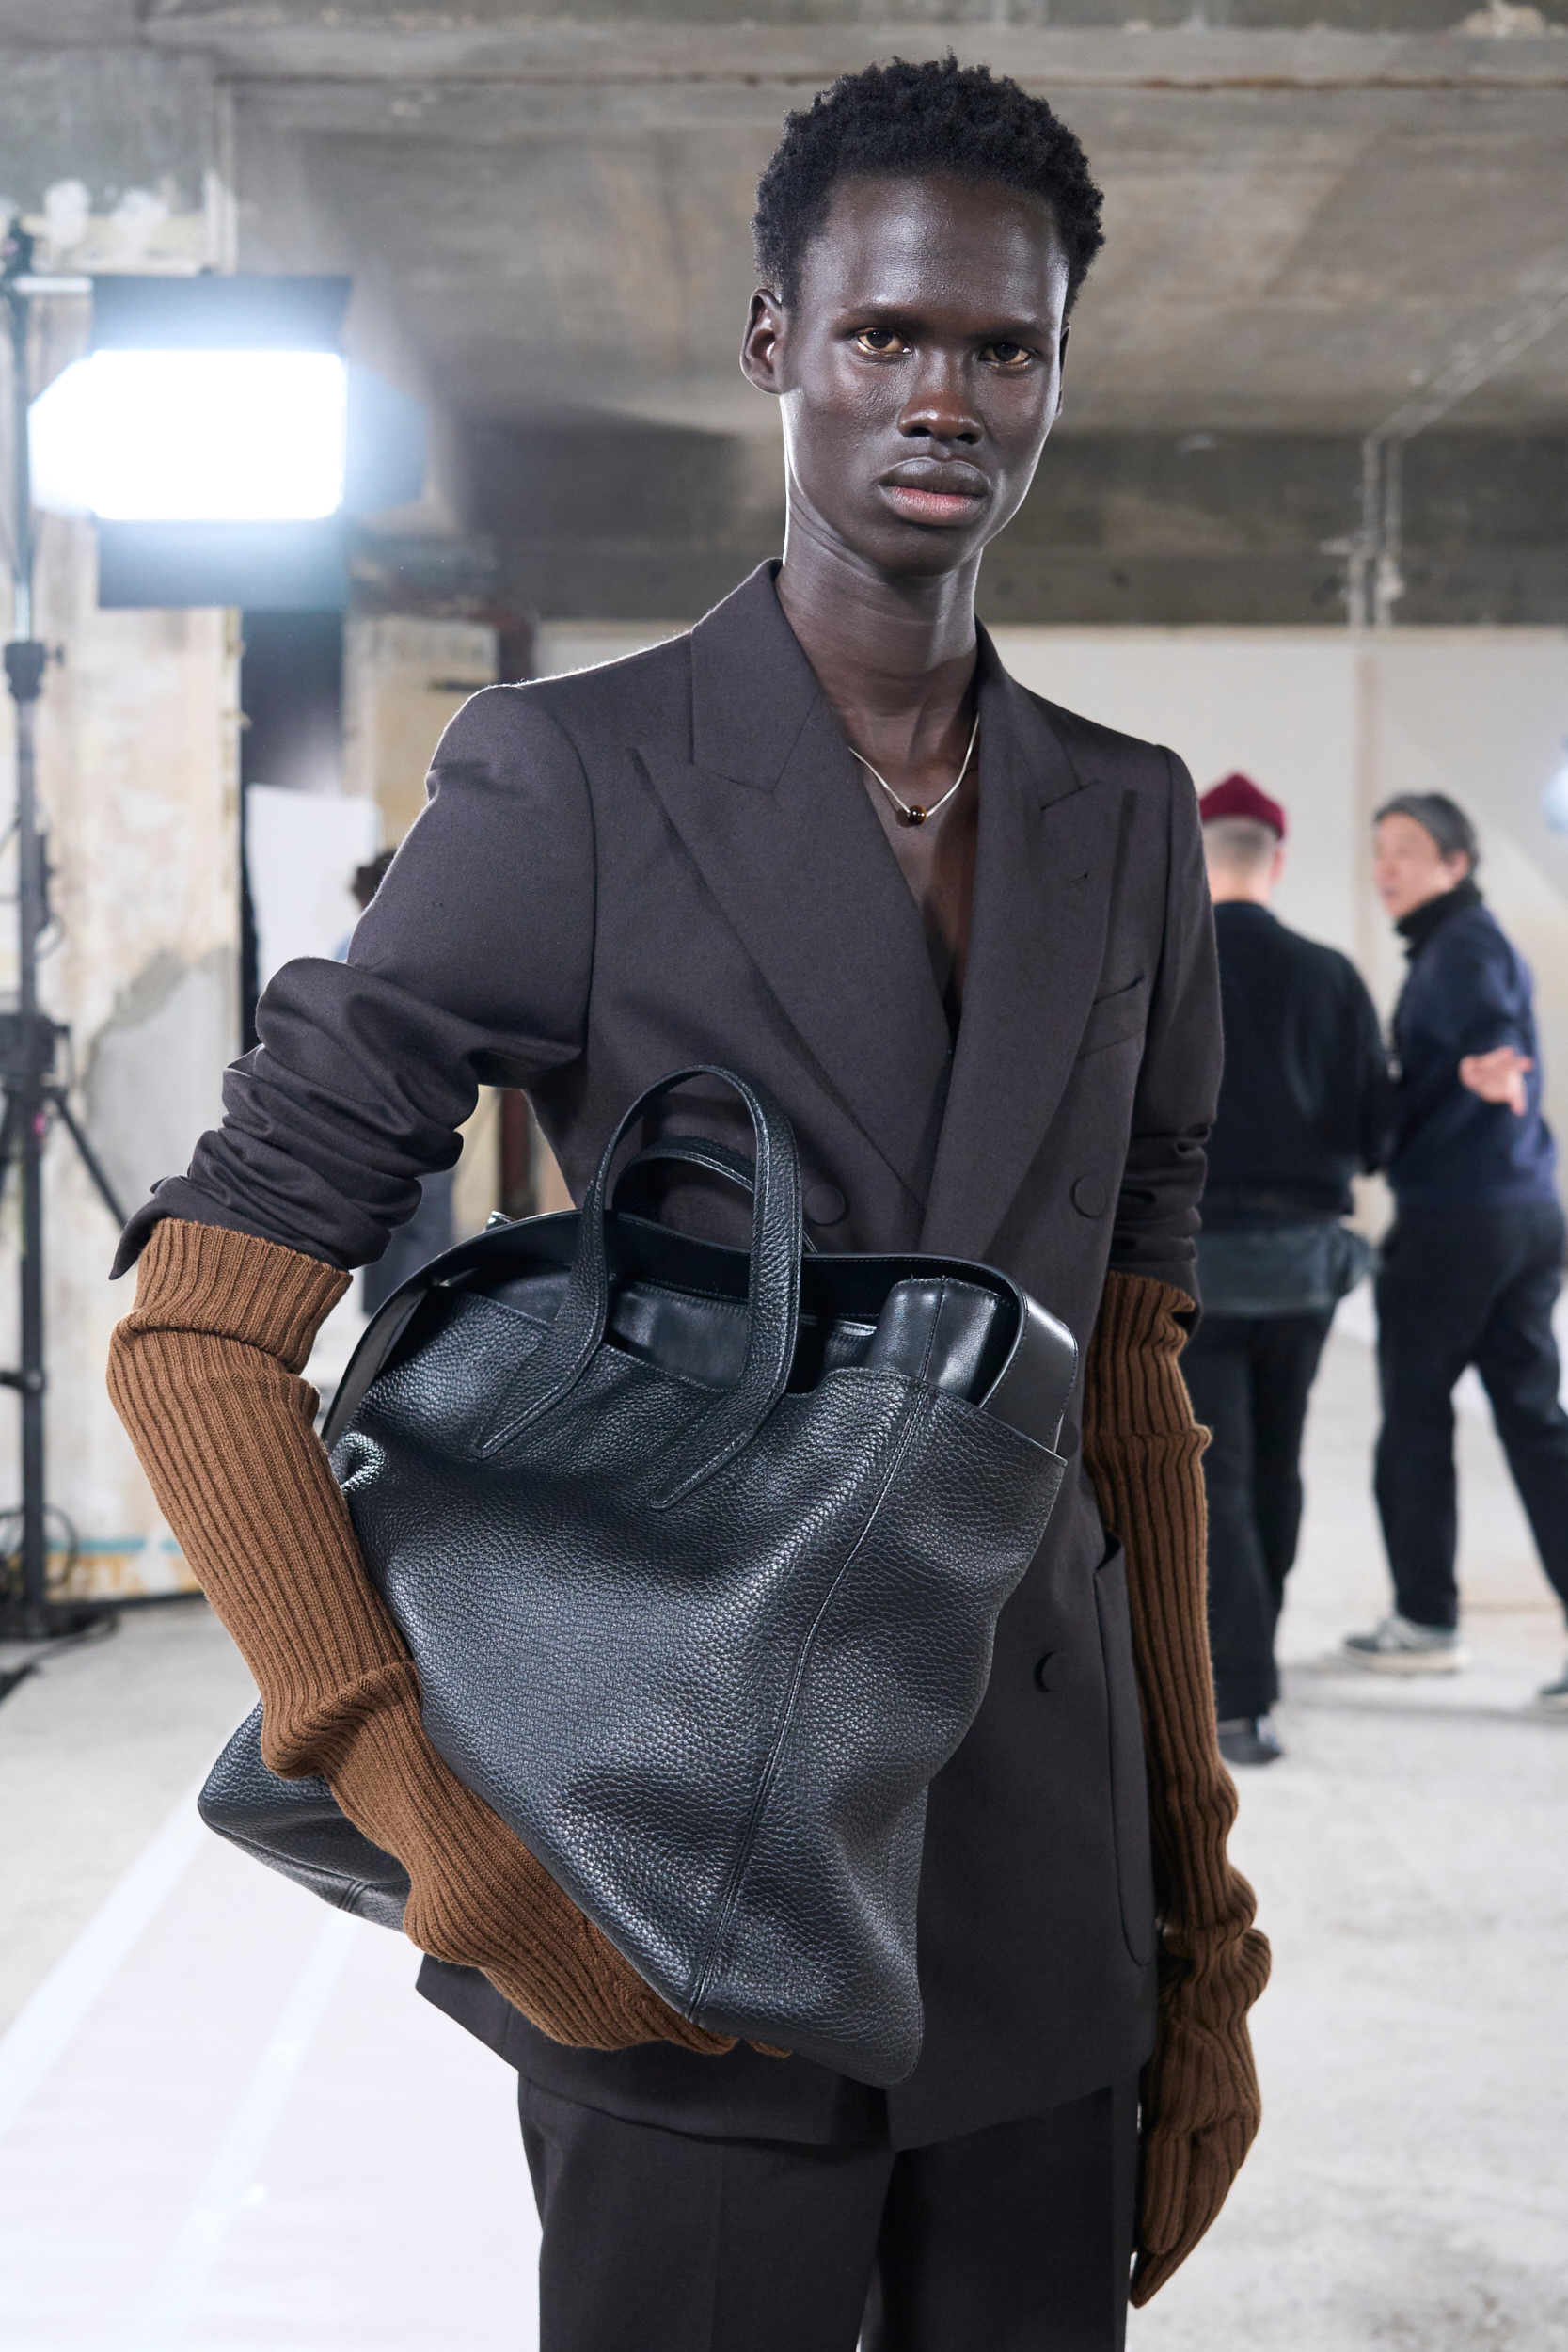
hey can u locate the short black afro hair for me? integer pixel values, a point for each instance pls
(908, 120)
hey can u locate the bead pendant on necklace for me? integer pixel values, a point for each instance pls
(912, 813)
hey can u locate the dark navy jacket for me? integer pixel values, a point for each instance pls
(1468, 991)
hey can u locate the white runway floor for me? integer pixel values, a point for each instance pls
(226, 2124)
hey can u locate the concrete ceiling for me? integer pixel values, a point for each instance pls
(547, 215)
(1285, 258)
(1302, 225)
(1287, 250)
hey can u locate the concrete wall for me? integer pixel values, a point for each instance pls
(403, 679)
(117, 157)
(1194, 530)
(1333, 726)
(1217, 529)
(138, 776)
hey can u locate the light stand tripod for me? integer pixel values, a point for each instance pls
(34, 1096)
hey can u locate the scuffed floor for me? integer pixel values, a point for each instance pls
(226, 2124)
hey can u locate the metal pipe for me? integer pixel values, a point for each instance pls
(24, 663)
(1374, 581)
(32, 1093)
(20, 309)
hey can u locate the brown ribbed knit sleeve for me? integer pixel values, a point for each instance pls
(1142, 1451)
(203, 1373)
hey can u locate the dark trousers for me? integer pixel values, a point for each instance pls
(1249, 1378)
(1467, 1287)
(1017, 2239)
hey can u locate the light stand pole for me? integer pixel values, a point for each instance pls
(28, 1038)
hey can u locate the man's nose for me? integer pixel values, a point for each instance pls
(939, 408)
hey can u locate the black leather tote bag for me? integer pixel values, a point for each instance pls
(699, 1555)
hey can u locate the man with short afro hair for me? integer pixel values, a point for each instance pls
(903, 119)
(962, 936)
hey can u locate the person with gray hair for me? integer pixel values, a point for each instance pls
(1473, 1266)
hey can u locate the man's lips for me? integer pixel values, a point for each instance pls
(933, 490)
(932, 506)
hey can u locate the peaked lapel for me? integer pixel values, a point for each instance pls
(772, 811)
(1044, 865)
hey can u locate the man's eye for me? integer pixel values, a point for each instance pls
(880, 342)
(1006, 355)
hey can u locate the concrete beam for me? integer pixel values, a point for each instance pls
(115, 119)
(683, 72)
(814, 39)
(1119, 529)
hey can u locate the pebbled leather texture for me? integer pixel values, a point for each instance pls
(295, 1826)
(699, 1553)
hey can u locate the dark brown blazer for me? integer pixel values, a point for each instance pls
(673, 860)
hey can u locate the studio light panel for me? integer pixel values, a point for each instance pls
(190, 436)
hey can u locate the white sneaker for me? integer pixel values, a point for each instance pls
(1397, 1648)
(1555, 1694)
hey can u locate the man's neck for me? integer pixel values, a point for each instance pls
(1235, 890)
(894, 656)
(1417, 924)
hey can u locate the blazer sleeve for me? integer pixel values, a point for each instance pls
(1177, 1089)
(471, 967)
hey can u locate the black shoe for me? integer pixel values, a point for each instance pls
(1249, 1739)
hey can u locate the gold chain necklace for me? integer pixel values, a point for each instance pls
(911, 811)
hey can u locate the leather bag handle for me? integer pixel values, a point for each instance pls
(773, 1303)
(696, 1152)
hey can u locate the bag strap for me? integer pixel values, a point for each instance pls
(695, 1152)
(774, 1298)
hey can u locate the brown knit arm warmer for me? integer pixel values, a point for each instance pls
(1142, 1451)
(203, 1373)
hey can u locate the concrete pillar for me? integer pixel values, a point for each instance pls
(138, 779)
(403, 678)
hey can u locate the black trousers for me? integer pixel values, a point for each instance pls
(1017, 2239)
(1249, 1378)
(1472, 1286)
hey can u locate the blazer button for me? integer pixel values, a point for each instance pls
(824, 1204)
(1040, 1682)
(1089, 1196)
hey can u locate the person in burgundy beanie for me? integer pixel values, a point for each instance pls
(1304, 1104)
(1236, 796)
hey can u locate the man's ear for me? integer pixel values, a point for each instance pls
(1061, 366)
(761, 347)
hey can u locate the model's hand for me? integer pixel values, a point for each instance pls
(1498, 1077)
(1200, 2101)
